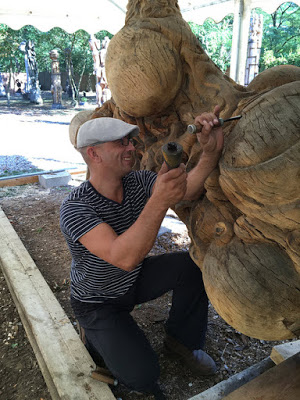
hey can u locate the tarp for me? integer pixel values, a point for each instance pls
(96, 15)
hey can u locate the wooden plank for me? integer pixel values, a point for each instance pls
(63, 359)
(221, 389)
(78, 172)
(19, 181)
(25, 180)
(283, 351)
(280, 382)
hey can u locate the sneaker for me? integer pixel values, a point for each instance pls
(197, 360)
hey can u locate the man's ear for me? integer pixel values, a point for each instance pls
(93, 154)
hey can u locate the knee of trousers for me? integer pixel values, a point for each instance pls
(191, 274)
(142, 378)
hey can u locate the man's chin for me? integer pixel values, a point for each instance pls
(127, 169)
(128, 164)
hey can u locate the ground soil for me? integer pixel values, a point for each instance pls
(34, 214)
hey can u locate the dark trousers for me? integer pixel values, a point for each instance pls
(111, 331)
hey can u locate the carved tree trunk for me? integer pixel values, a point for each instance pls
(245, 231)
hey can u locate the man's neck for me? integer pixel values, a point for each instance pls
(110, 188)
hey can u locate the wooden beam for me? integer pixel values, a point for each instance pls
(221, 389)
(19, 181)
(25, 180)
(280, 382)
(282, 352)
(62, 357)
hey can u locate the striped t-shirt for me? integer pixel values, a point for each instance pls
(94, 280)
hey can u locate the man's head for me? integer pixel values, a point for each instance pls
(103, 130)
(105, 145)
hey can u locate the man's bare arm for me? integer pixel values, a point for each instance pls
(127, 250)
(211, 140)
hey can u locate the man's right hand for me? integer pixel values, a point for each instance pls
(127, 250)
(170, 185)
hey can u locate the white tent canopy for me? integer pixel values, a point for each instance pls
(93, 16)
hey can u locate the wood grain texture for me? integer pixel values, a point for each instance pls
(284, 351)
(280, 382)
(245, 231)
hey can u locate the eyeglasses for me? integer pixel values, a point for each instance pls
(126, 140)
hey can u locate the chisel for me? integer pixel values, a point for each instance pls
(197, 128)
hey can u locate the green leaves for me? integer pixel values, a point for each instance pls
(216, 38)
(280, 42)
(281, 38)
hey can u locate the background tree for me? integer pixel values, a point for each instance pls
(216, 38)
(281, 37)
(9, 49)
(280, 42)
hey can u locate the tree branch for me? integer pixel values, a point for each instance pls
(290, 38)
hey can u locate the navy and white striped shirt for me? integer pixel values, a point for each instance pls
(94, 280)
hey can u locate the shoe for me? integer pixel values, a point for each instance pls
(197, 360)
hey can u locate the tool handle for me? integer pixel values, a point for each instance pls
(104, 378)
(172, 153)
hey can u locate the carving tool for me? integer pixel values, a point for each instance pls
(197, 128)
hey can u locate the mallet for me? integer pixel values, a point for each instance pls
(172, 153)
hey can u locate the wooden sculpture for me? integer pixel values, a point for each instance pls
(245, 231)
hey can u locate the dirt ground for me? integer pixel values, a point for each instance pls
(34, 214)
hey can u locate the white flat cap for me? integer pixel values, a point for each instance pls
(102, 130)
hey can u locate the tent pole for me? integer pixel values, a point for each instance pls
(241, 24)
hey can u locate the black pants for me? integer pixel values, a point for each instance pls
(112, 332)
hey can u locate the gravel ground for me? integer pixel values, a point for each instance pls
(36, 138)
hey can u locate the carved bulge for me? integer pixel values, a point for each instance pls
(245, 230)
(153, 75)
(253, 280)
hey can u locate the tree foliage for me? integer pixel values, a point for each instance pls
(281, 37)
(9, 43)
(216, 38)
(280, 43)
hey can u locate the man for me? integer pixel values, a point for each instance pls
(110, 223)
